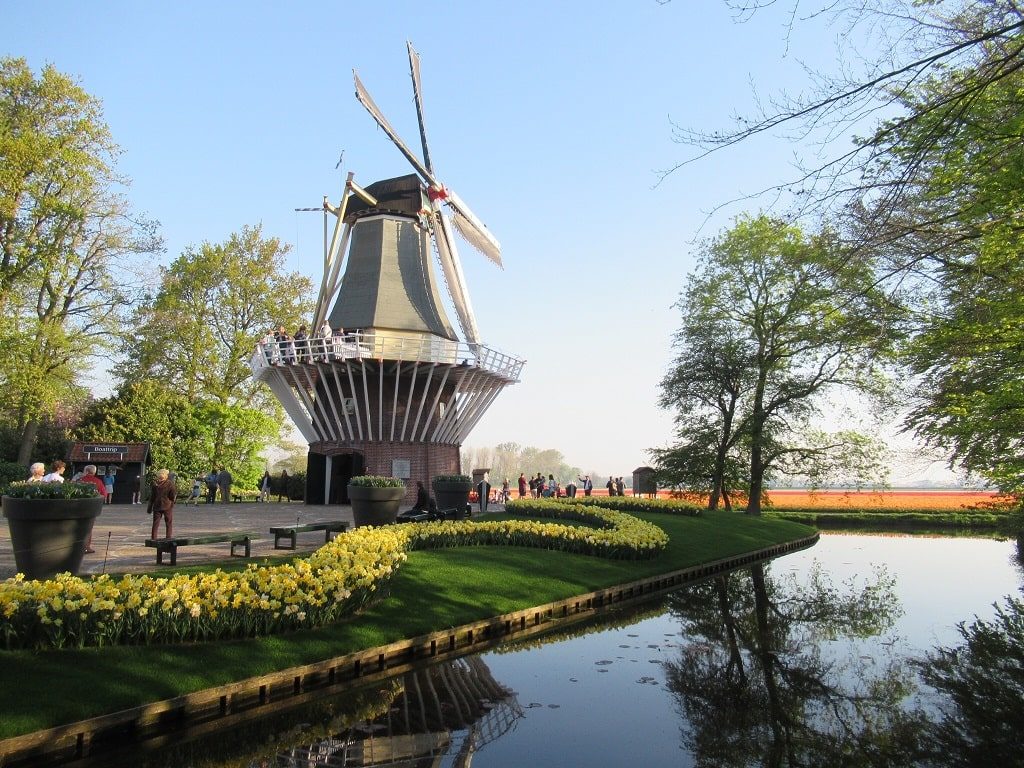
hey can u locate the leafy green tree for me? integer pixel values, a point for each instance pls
(705, 386)
(54, 150)
(697, 463)
(198, 333)
(812, 321)
(968, 354)
(65, 237)
(150, 412)
(237, 436)
(932, 195)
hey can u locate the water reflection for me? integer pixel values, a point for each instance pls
(447, 712)
(790, 663)
(982, 713)
(774, 675)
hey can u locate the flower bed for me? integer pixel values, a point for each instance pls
(617, 535)
(68, 611)
(626, 504)
(334, 581)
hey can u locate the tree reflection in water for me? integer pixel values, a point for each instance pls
(982, 721)
(764, 682)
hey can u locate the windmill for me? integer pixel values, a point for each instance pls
(398, 392)
(437, 220)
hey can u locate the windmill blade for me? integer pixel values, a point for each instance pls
(452, 268)
(333, 257)
(364, 98)
(417, 91)
(471, 228)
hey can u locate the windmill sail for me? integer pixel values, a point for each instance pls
(364, 98)
(417, 91)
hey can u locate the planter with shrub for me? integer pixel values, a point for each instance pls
(50, 524)
(375, 500)
(452, 492)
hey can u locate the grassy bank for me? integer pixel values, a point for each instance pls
(435, 589)
(994, 519)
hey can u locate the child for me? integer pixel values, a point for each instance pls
(197, 487)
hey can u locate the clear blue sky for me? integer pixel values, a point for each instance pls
(550, 120)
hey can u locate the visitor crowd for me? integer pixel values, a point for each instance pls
(282, 348)
(547, 487)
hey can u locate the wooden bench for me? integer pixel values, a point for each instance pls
(289, 531)
(237, 539)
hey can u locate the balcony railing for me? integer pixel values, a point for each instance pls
(380, 346)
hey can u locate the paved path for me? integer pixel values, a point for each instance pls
(121, 529)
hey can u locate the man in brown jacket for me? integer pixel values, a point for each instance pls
(161, 502)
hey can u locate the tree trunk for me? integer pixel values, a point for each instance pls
(718, 477)
(756, 473)
(28, 442)
(731, 634)
(778, 719)
(757, 418)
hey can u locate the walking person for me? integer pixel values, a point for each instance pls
(161, 503)
(211, 486)
(137, 490)
(265, 486)
(282, 489)
(224, 483)
(108, 481)
(197, 491)
(610, 485)
(522, 485)
(89, 476)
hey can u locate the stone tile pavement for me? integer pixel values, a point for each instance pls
(121, 529)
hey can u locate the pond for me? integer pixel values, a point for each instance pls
(817, 658)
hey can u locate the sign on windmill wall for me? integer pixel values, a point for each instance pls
(401, 468)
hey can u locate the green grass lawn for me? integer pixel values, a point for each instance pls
(434, 590)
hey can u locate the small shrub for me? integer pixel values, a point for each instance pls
(26, 490)
(11, 472)
(452, 479)
(296, 490)
(376, 481)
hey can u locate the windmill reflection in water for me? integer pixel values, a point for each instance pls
(449, 710)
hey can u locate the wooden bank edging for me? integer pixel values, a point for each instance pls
(161, 722)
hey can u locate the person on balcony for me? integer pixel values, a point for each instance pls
(337, 343)
(301, 345)
(325, 342)
(269, 346)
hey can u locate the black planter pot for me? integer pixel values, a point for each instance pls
(452, 495)
(375, 506)
(49, 535)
